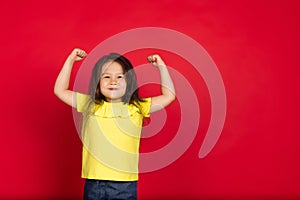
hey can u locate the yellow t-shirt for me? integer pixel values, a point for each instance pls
(111, 139)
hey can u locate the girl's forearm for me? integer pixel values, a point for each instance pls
(63, 79)
(167, 86)
(61, 88)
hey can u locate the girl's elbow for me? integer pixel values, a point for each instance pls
(57, 92)
(171, 97)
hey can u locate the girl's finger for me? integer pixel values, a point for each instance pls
(81, 53)
(150, 58)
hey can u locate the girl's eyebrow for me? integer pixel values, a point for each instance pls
(105, 73)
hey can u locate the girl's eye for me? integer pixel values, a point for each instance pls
(120, 76)
(106, 77)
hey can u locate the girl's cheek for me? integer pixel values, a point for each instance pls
(103, 82)
(123, 82)
(123, 85)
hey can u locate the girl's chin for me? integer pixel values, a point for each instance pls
(113, 100)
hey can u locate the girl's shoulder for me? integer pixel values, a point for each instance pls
(143, 106)
(82, 101)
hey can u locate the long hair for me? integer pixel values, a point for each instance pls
(131, 95)
(97, 98)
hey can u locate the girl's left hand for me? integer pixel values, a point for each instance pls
(156, 60)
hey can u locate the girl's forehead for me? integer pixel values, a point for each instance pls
(112, 67)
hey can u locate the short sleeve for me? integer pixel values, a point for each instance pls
(82, 101)
(145, 107)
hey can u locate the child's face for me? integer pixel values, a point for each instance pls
(112, 82)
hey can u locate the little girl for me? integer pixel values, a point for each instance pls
(113, 113)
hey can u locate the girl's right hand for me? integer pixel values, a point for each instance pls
(77, 54)
(156, 60)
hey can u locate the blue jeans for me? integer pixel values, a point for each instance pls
(109, 190)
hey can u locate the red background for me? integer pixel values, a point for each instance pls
(255, 45)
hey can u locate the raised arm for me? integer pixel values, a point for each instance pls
(61, 88)
(167, 88)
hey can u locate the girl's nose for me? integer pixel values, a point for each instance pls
(114, 81)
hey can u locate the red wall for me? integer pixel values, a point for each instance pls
(255, 45)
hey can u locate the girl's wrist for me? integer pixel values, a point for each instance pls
(70, 59)
(162, 66)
